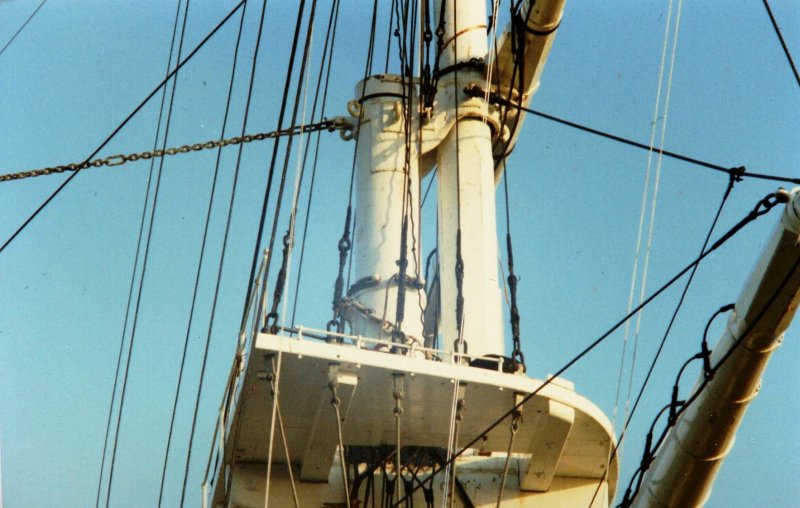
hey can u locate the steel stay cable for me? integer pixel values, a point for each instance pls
(288, 247)
(327, 57)
(739, 171)
(271, 378)
(459, 345)
(265, 199)
(513, 431)
(768, 203)
(122, 124)
(135, 264)
(707, 379)
(222, 257)
(21, 28)
(233, 378)
(154, 208)
(512, 280)
(783, 42)
(274, 157)
(345, 242)
(201, 259)
(671, 410)
(678, 307)
(635, 273)
(335, 402)
(406, 67)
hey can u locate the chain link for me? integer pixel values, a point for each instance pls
(338, 123)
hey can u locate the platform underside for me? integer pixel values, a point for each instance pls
(562, 437)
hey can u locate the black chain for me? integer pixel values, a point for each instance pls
(402, 264)
(280, 284)
(517, 357)
(338, 289)
(459, 296)
(338, 123)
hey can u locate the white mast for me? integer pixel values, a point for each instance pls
(387, 194)
(348, 399)
(466, 189)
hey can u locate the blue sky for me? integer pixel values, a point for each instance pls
(80, 67)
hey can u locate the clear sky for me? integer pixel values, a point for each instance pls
(80, 67)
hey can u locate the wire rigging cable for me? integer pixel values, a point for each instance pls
(709, 372)
(289, 235)
(650, 229)
(629, 417)
(302, 87)
(21, 28)
(459, 345)
(271, 172)
(783, 42)
(135, 264)
(739, 171)
(201, 259)
(762, 208)
(232, 200)
(327, 59)
(345, 242)
(123, 123)
(274, 158)
(154, 209)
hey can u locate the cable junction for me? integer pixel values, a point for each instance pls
(739, 172)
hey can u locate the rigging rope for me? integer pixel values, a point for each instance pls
(299, 171)
(135, 264)
(122, 124)
(707, 378)
(517, 357)
(275, 147)
(460, 344)
(327, 57)
(629, 417)
(406, 66)
(783, 42)
(301, 81)
(335, 401)
(284, 439)
(345, 243)
(642, 288)
(200, 260)
(143, 274)
(645, 196)
(397, 394)
(273, 417)
(738, 171)
(515, 418)
(762, 208)
(224, 250)
(21, 28)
